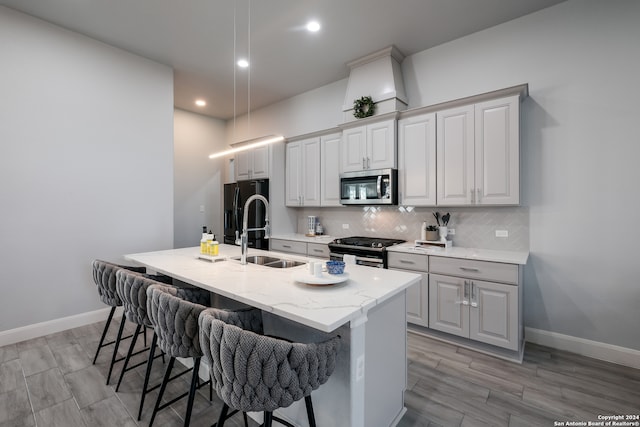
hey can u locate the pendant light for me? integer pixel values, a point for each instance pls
(255, 142)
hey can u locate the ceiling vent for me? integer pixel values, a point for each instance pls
(379, 76)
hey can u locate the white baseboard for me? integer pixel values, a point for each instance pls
(597, 350)
(36, 330)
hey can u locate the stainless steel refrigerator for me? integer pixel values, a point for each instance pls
(235, 196)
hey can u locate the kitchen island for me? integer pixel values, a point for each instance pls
(368, 311)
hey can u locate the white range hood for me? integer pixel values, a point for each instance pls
(379, 76)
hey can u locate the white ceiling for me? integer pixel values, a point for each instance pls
(196, 38)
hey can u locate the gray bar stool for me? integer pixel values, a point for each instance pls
(254, 372)
(104, 276)
(174, 314)
(132, 289)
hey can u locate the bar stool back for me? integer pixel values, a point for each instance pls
(254, 372)
(104, 276)
(174, 315)
(132, 289)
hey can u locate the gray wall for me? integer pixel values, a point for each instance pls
(579, 151)
(86, 165)
(198, 179)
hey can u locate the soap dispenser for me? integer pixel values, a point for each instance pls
(203, 241)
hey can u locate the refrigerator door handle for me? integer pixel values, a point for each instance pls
(236, 209)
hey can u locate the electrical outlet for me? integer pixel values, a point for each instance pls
(451, 231)
(201, 208)
(345, 226)
(502, 233)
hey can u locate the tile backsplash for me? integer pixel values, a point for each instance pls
(475, 227)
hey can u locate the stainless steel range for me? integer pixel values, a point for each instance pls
(370, 251)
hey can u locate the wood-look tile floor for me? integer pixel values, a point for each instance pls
(50, 381)
(453, 386)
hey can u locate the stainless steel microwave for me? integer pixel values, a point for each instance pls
(369, 187)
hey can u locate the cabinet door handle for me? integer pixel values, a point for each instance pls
(286, 246)
(474, 302)
(469, 269)
(404, 261)
(473, 199)
(465, 301)
(368, 163)
(363, 164)
(479, 192)
(320, 251)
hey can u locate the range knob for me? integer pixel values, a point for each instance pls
(338, 241)
(376, 245)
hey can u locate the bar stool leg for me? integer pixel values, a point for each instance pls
(165, 380)
(223, 416)
(310, 415)
(104, 333)
(115, 348)
(268, 419)
(192, 390)
(152, 352)
(126, 360)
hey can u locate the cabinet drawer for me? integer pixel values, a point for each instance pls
(318, 250)
(288, 246)
(417, 262)
(491, 271)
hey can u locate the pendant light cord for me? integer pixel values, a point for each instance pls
(235, 59)
(249, 70)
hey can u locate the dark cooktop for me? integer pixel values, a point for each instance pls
(366, 242)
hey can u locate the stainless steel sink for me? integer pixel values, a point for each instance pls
(269, 261)
(284, 263)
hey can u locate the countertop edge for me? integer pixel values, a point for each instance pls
(479, 254)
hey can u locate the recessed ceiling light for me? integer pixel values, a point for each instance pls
(313, 26)
(243, 63)
(201, 102)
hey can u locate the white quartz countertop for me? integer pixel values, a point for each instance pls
(509, 257)
(274, 289)
(324, 239)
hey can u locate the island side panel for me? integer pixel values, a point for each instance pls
(331, 401)
(386, 362)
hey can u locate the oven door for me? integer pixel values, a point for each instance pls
(369, 262)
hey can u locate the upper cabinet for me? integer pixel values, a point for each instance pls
(478, 153)
(497, 152)
(303, 173)
(252, 164)
(417, 160)
(312, 171)
(330, 169)
(370, 146)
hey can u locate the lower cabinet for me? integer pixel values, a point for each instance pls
(418, 294)
(318, 250)
(478, 310)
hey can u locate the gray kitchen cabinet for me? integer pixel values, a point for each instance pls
(476, 300)
(318, 250)
(478, 157)
(417, 160)
(370, 146)
(302, 165)
(253, 163)
(418, 294)
(291, 246)
(330, 169)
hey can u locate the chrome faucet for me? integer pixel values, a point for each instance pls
(244, 237)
